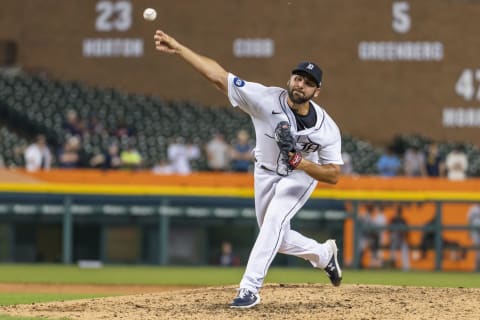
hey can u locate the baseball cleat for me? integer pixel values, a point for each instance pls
(332, 269)
(245, 299)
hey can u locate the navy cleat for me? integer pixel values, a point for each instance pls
(245, 299)
(332, 269)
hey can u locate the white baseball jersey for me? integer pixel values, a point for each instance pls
(279, 198)
(267, 106)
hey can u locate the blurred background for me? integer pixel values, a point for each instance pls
(112, 152)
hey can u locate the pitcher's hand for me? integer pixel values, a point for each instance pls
(165, 43)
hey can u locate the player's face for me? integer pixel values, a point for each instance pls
(301, 89)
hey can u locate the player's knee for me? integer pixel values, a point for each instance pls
(276, 220)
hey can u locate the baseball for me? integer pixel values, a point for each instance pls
(149, 14)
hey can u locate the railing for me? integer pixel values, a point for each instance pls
(158, 210)
(233, 194)
(437, 227)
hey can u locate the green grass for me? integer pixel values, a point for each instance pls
(200, 276)
(121, 275)
(214, 276)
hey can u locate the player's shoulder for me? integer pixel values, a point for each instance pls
(241, 82)
(326, 119)
(276, 91)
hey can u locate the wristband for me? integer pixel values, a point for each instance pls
(295, 160)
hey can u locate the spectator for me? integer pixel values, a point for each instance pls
(372, 220)
(474, 221)
(399, 240)
(428, 242)
(69, 154)
(241, 153)
(379, 221)
(389, 164)
(347, 167)
(367, 234)
(218, 153)
(414, 162)
(162, 167)
(434, 163)
(110, 159)
(123, 129)
(180, 154)
(19, 156)
(456, 164)
(73, 125)
(95, 126)
(130, 158)
(37, 155)
(227, 258)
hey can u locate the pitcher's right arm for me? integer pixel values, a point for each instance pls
(207, 67)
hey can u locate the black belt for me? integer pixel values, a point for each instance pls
(265, 168)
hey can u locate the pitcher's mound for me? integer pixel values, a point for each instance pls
(299, 301)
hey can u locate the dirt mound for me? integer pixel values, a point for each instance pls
(302, 301)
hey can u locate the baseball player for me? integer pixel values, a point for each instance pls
(297, 145)
(474, 220)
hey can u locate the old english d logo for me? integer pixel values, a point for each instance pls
(310, 66)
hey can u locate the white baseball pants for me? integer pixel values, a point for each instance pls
(277, 200)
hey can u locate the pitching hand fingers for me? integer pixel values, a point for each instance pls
(163, 48)
(163, 42)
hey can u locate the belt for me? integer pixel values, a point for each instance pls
(265, 168)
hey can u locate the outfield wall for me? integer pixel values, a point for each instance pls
(138, 217)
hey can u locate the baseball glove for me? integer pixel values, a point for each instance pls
(286, 143)
(284, 138)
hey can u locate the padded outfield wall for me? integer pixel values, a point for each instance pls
(139, 217)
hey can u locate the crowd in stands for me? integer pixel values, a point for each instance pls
(423, 161)
(389, 242)
(68, 125)
(220, 155)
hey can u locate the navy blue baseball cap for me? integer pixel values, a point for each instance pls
(310, 69)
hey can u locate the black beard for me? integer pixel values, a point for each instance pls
(297, 100)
